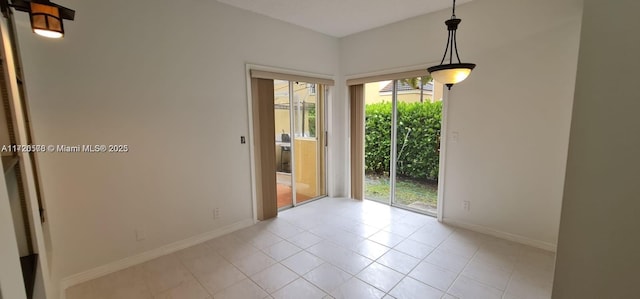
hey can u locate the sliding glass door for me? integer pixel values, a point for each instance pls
(402, 135)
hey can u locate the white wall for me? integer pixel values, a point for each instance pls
(168, 79)
(599, 241)
(338, 145)
(512, 114)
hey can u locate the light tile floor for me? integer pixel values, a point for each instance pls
(338, 248)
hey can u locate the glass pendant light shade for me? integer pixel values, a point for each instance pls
(451, 73)
(48, 33)
(46, 20)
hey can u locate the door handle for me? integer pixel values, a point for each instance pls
(326, 138)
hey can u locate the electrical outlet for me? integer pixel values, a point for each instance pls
(140, 234)
(216, 213)
(466, 205)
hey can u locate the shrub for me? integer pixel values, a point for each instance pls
(418, 138)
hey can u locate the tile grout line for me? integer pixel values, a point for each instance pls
(193, 274)
(463, 268)
(482, 283)
(300, 276)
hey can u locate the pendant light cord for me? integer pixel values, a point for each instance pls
(455, 42)
(453, 15)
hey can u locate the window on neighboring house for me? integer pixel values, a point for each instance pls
(312, 89)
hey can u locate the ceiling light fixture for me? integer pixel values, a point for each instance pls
(451, 73)
(46, 17)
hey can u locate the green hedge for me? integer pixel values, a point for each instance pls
(418, 139)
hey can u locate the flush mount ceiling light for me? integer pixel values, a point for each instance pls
(451, 73)
(46, 17)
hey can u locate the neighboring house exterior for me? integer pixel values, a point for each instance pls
(378, 92)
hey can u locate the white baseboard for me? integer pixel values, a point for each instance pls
(100, 271)
(502, 235)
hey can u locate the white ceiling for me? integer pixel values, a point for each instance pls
(341, 17)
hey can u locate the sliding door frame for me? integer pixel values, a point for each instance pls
(397, 74)
(393, 155)
(292, 148)
(260, 71)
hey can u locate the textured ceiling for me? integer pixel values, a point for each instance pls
(341, 17)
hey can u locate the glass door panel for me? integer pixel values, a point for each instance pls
(282, 116)
(417, 135)
(378, 120)
(306, 142)
(402, 141)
